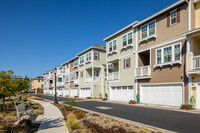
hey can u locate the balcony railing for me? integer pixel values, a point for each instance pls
(113, 76)
(142, 72)
(76, 82)
(94, 79)
(196, 62)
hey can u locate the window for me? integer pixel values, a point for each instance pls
(59, 79)
(127, 63)
(96, 73)
(81, 73)
(110, 47)
(81, 59)
(152, 30)
(51, 81)
(75, 62)
(38, 80)
(167, 54)
(159, 56)
(67, 78)
(148, 30)
(177, 52)
(173, 17)
(76, 75)
(96, 55)
(124, 40)
(88, 56)
(72, 76)
(113, 46)
(130, 40)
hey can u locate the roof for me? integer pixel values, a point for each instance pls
(160, 12)
(191, 32)
(39, 77)
(70, 60)
(123, 29)
(98, 46)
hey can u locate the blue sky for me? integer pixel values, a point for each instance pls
(36, 35)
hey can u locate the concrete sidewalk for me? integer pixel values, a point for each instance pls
(53, 120)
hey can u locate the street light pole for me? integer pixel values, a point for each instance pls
(55, 100)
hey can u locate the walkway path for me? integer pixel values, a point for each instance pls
(53, 120)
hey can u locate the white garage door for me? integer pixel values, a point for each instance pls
(122, 93)
(170, 94)
(73, 92)
(85, 92)
(66, 92)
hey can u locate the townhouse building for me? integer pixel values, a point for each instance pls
(91, 64)
(66, 78)
(37, 84)
(160, 54)
(49, 82)
(120, 64)
(193, 52)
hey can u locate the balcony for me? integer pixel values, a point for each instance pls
(95, 79)
(113, 76)
(76, 82)
(194, 67)
(143, 72)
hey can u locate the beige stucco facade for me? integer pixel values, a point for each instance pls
(37, 83)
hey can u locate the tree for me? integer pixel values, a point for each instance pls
(6, 85)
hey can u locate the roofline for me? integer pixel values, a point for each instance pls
(92, 47)
(123, 29)
(191, 32)
(160, 12)
(69, 60)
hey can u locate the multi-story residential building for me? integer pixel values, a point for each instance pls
(74, 75)
(37, 84)
(92, 71)
(49, 85)
(15, 77)
(160, 54)
(120, 64)
(193, 52)
(66, 78)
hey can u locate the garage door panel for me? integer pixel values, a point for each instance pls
(85, 92)
(162, 94)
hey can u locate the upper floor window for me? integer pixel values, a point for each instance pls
(88, 56)
(148, 30)
(173, 17)
(59, 79)
(38, 80)
(75, 62)
(96, 55)
(113, 46)
(81, 74)
(81, 59)
(127, 63)
(67, 77)
(168, 54)
(51, 81)
(127, 39)
(72, 76)
(77, 75)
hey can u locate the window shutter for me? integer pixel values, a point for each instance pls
(98, 55)
(178, 15)
(129, 62)
(168, 19)
(124, 63)
(94, 55)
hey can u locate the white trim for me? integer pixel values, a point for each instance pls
(182, 83)
(160, 12)
(92, 47)
(197, 92)
(148, 37)
(161, 44)
(189, 15)
(118, 58)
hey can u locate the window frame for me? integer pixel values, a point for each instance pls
(173, 54)
(82, 59)
(88, 57)
(147, 30)
(96, 55)
(127, 65)
(175, 10)
(112, 46)
(126, 35)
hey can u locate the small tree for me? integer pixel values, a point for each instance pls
(6, 85)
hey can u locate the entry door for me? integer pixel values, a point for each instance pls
(198, 95)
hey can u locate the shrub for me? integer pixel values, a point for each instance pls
(24, 99)
(70, 103)
(88, 98)
(132, 102)
(186, 107)
(67, 96)
(75, 96)
(72, 122)
(16, 99)
(79, 114)
(36, 105)
(104, 99)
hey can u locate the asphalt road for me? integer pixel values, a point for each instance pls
(170, 120)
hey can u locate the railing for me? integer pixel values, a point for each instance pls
(76, 82)
(196, 62)
(94, 79)
(113, 76)
(60, 84)
(143, 71)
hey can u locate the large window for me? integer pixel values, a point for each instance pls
(127, 39)
(148, 30)
(72, 76)
(96, 54)
(88, 56)
(81, 59)
(173, 17)
(168, 54)
(113, 46)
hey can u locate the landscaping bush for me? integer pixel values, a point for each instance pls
(88, 98)
(36, 105)
(24, 99)
(67, 96)
(79, 114)
(75, 96)
(72, 122)
(15, 99)
(70, 103)
(28, 103)
(132, 102)
(104, 99)
(186, 107)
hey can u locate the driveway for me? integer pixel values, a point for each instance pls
(170, 120)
